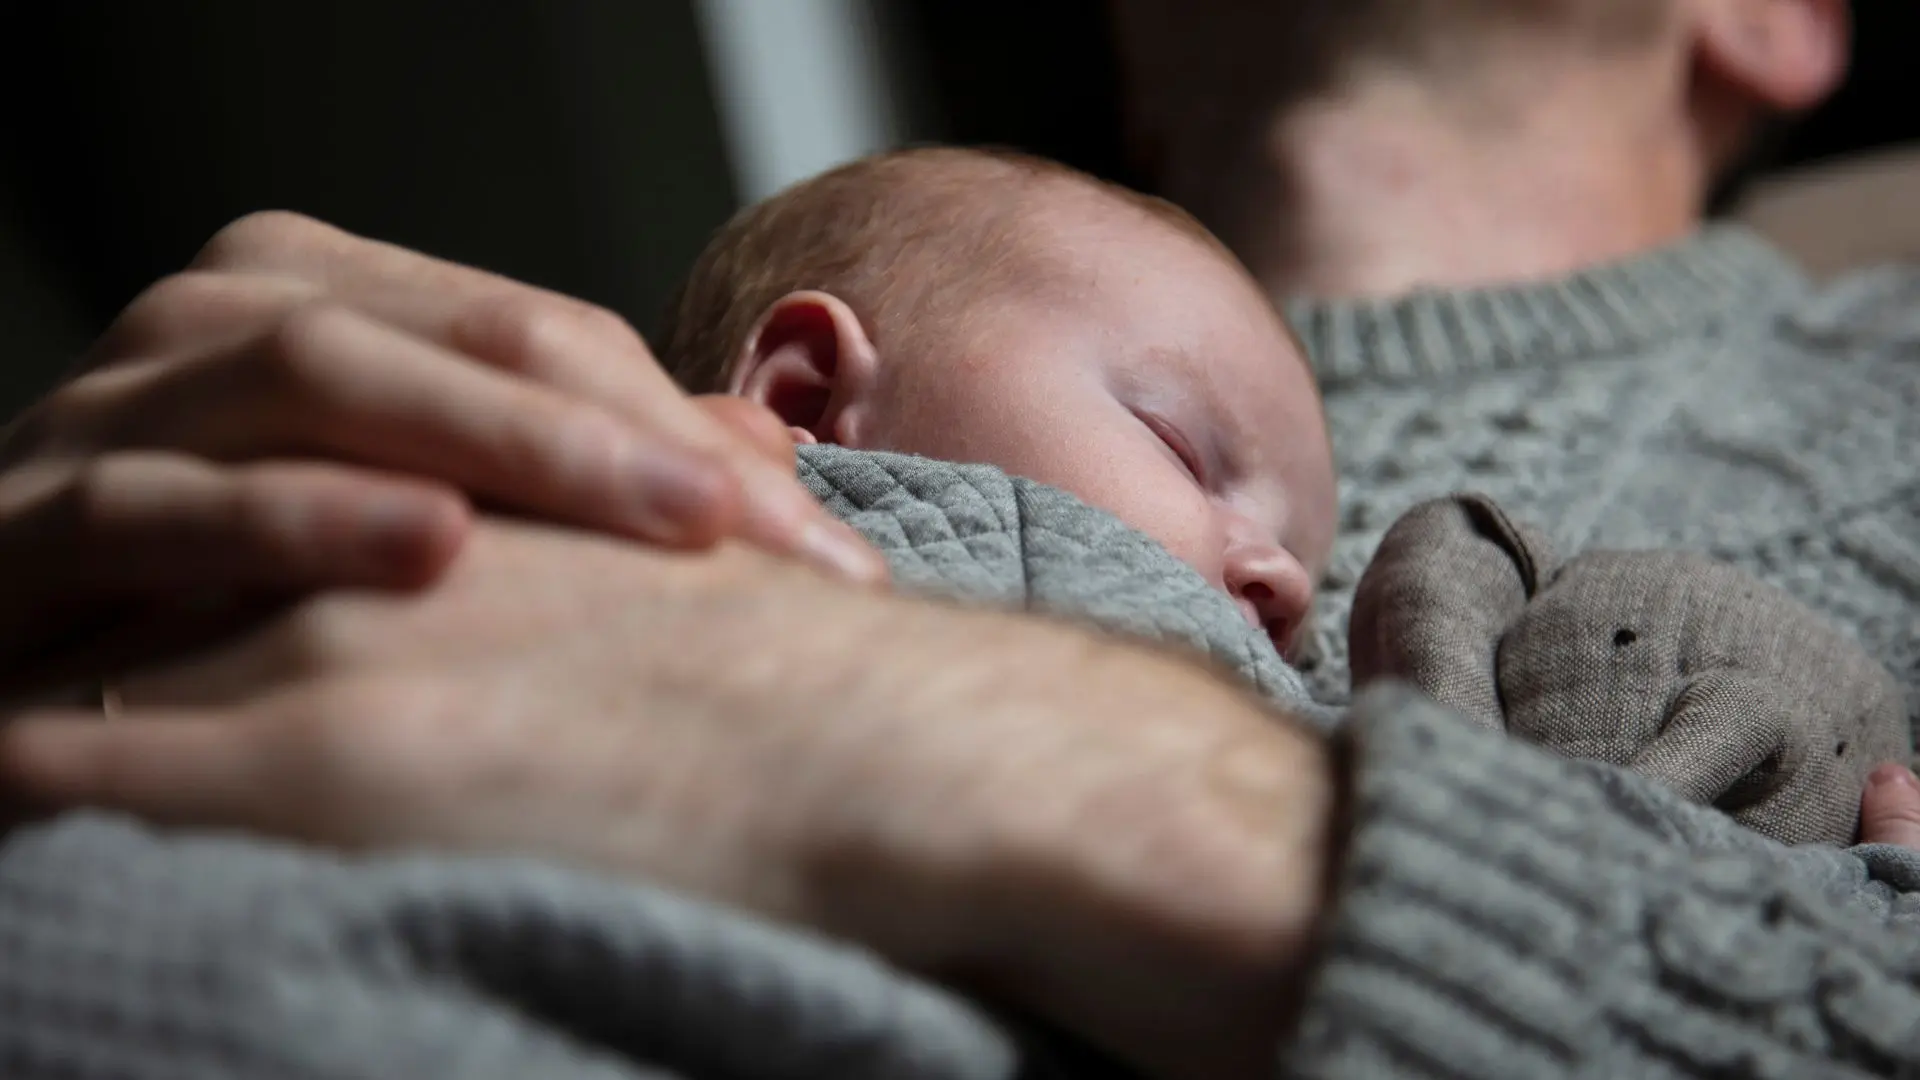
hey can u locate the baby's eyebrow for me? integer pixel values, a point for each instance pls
(1180, 356)
(1186, 361)
(1233, 434)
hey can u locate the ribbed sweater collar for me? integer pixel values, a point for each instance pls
(1686, 289)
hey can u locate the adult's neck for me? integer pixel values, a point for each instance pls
(1393, 184)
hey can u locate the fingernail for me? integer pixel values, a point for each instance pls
(673, 496)
(841, 552)
(393, 528)
(1890, 774)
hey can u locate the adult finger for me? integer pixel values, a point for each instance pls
(761, 431)
(760, 427)
(150, 522)
(580, 349)
(200, 311)
(169, 767)
(265, 767)
(335, 383)
(1890, 808)
(299, 382)
(565, 343)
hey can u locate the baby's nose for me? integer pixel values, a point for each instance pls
(1274, 590)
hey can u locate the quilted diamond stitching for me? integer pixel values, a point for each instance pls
(973, 531)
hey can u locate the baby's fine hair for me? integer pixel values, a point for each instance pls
(907, 239)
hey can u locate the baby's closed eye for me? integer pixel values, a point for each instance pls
(1177, 442)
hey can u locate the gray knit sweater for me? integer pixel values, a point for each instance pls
(1500, 913)
(1704, 397)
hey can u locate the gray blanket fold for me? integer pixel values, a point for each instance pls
(973, 533)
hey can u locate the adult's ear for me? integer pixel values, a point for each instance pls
(1778, 55)
(810, 361)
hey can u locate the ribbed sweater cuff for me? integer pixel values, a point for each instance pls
(1500, 916)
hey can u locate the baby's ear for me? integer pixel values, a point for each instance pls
(811, 362)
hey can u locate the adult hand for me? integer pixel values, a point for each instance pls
(1109, 837)
(304, 408)
(1890, 808)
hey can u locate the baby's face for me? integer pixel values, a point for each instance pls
(1152, 380)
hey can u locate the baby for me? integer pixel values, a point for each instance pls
(989, 307)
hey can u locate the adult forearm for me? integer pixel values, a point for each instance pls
(1147, 868)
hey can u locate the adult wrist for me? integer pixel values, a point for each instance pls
(1173, 923)
(1144, 863)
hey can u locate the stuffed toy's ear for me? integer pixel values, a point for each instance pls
(1449, 578)
(1532, 553)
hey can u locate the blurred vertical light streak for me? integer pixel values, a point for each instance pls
(801, 86)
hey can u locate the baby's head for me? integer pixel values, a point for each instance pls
(988, 307)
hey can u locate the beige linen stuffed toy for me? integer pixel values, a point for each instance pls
(1672, 664)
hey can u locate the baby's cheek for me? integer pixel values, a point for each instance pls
(1191, 529)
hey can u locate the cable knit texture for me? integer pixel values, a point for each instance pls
(1703, 397)
(1507, 914)
(125, 953)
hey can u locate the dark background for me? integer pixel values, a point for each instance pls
(568, 143)
(571, 143)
